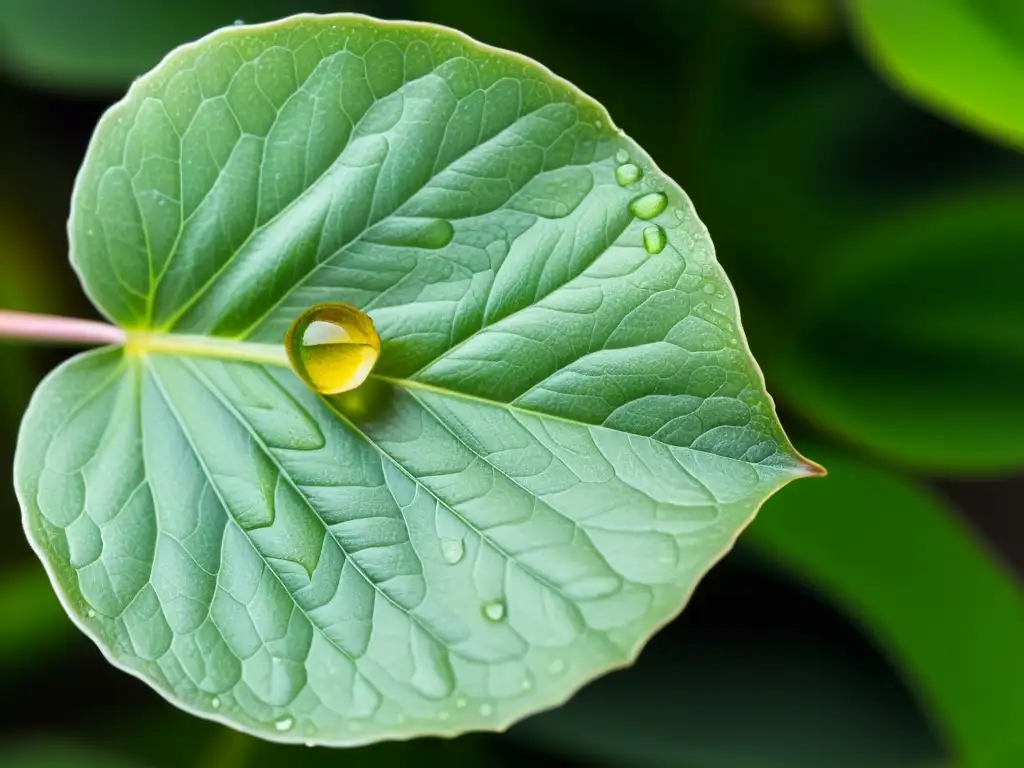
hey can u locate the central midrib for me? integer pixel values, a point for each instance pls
(142, 343)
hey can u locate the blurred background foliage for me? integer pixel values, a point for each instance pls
(859, 167)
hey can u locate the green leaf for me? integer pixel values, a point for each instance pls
(563, 433)
(910, 345)
(979, 86)
(898, 560)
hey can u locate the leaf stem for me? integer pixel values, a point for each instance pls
(27, 326)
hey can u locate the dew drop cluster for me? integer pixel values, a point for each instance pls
(646, 206)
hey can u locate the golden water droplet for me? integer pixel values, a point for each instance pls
(333, 347)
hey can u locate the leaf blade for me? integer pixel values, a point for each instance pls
(481, 528)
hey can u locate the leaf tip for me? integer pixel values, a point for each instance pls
(809, 468)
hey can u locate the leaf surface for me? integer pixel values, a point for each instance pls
(563, 433)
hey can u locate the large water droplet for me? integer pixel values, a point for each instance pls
(654, 239)
(648, 206)
(283, 724)
(333, 347)
(452, 550)
(627, 174)
(495, 611)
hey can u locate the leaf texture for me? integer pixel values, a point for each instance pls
(563, 433)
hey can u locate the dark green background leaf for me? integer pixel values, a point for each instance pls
(910, 344)
(895, 558)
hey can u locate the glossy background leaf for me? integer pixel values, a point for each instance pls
(979, 86)
(790, 144)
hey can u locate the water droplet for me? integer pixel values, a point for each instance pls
(443, 715)
(452, 550)
(556, 667)
(333, 347)
(238, 22)
(679, 213)
(598, 124)
(486, 710)
(627, 174)
(161, 202)
(495, 611)
(654, 239)
(283, 724)
(215, 702)
(460, 703)
(621, 156)
(310, 744)
(91, 613)
(648, 206)
(527, 684)
(709, 288)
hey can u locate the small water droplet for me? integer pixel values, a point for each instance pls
(648, 206)
(679, 213)
(654, 239)
(443, 715)
(91, 613)
(161, 202)
(486, 710)
(452, 550)
(460, 703)
(495, 611)
(355, 726)
(283, 724)
(215, 702)
(238, 22)
(621, 156)
(332, 347)
(556, 667)
(733, 342)
(627, 174)
(598, 124)
(707, 270)
(310, 744)
(527, 684)
(709, 288)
